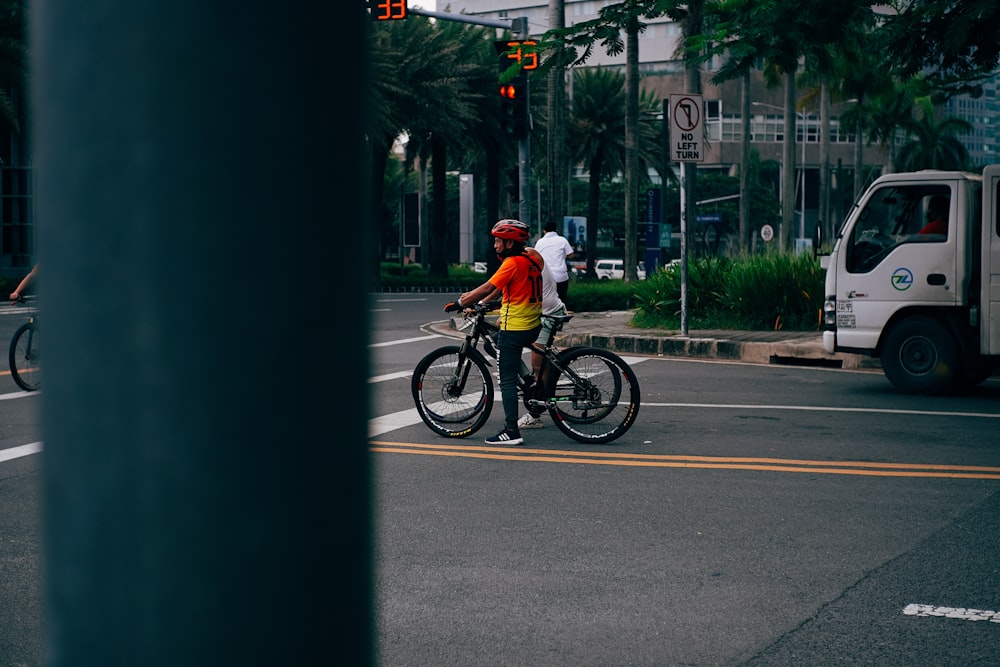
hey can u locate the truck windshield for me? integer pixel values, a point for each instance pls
(897, 214)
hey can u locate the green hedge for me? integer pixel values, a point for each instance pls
(762, 293)
(583, 295)
(759, 292)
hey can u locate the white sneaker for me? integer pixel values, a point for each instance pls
(529, 421)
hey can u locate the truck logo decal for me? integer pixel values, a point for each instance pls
(902, 278)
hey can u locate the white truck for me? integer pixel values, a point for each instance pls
(927, 305)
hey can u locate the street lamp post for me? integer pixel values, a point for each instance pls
(802, 190)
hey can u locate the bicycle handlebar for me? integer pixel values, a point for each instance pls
(482, 307)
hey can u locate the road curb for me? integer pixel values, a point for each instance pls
(787, 353)
(793, 349)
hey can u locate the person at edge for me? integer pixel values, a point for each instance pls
(28, 279)
(519, 279)
(556, 250)
(937, 216)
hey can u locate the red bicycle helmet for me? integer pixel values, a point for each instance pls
(515, 230)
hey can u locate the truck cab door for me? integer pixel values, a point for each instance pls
(888, 264)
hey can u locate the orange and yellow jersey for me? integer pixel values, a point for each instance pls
(520, 281)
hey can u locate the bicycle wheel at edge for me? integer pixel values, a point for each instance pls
(450, 404)
(606, 404)
(25, 368)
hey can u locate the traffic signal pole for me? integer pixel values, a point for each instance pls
(518, 25)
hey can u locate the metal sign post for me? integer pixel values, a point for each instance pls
(686, 145)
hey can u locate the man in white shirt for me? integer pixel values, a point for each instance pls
(556, 250)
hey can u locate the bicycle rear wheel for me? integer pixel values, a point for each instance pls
(24, 358)
(453, 392)
(596, 397)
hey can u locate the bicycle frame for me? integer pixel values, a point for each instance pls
(484, 330)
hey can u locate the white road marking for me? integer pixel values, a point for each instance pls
(18, 452)
(390, 376)
(396, 420)
(403, 341)
(19, 394)
(952, 612)
(821, 408)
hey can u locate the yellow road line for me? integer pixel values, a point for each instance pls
(867, 468)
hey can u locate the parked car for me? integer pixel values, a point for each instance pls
(479, 267)
(607, 269)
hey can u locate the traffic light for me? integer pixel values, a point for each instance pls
(515, 118)
(514, 107)
(388, 10)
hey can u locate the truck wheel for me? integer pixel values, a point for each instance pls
(920, 356)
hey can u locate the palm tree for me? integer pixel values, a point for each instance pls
(612, 21)
(933, 144)
(429, 83)
(848, 69)
(890, 109)
(596, 137)
(779, 34)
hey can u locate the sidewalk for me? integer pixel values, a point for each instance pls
(611, 331)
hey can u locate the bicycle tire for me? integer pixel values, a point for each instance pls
(453, 404)
(602, 405)
(24, 359)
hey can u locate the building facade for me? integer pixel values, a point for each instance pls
(662, 71)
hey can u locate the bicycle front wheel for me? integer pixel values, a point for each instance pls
(453, 392)
(595, 399)
(24, 358)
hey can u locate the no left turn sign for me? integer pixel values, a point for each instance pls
(686, 143)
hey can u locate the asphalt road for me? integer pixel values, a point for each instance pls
(754, 515)
(20, 533)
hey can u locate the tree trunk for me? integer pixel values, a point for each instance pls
(556, 162)
(788, 162)
(744, 244)
(593, 211)
(858, 156)
(631, 149)
(824, 222)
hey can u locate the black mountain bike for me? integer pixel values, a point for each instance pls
(24, 356)
(591, 394)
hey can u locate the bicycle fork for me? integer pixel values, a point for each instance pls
(461, 375)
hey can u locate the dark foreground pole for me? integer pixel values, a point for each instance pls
(200, 201)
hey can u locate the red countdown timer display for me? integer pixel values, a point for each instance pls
(388, 10)
(514, 54)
